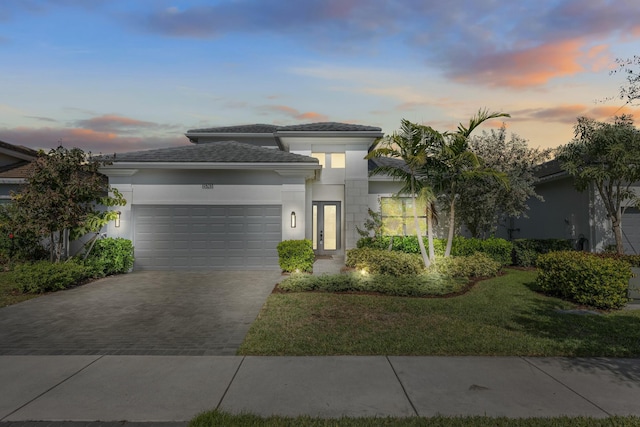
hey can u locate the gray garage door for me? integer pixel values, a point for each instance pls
(206, 237)
(631, 231)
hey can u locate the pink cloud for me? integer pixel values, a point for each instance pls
(528, 67)
(114, 123)
(297, 115)
(85, 139)
(569, 113)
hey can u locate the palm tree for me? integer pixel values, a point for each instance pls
(458, 164)
(412, 145)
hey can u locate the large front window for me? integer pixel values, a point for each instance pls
(397, 216)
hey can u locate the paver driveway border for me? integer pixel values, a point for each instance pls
(140, 313)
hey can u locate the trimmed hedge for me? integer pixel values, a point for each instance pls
(476, 265)
(421, 285)
(527, 251)
(296, 255)
(584, 278)
(110, 256)
(497, 249)
(44, 276)
(376, 261)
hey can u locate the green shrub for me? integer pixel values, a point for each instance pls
(421, 285)
(632, 260)
(526, 251)
(476, 265)
(110, 256)
(584, 278)
(498, 249)
(376, 261)
(44, 276)
(296, 255)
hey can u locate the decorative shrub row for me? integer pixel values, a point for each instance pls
(421, 285)
(475, 265)
(376, 261)
(526, 251)
(632, 260)
(45, 276)
(584, 278)
(110, 256)
(497, 249)
(296, 255)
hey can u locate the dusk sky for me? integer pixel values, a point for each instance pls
(122, 75)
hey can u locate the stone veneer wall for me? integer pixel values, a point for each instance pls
(356, 201)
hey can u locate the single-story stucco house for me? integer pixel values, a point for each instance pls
(230, 197)
(569, 214)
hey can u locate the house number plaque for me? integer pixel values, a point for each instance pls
(207, 186)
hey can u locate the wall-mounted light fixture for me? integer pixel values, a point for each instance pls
(293, 219)
(117, 224)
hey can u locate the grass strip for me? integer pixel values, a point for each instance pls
(502, 316)
(219, 418)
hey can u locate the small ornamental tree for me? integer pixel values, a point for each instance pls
(606, 155)
(486, 202)
(61, 198)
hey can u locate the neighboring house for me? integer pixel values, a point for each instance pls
(15, 165)
(227, 200)
(569, 214)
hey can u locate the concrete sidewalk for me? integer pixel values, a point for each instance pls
(176, 388)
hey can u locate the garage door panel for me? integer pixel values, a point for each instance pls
(206, 237)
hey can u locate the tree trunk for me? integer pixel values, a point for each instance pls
(423, 251)
(452, 217)
(616, 222)
(432, 252)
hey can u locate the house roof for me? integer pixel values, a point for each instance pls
(18, 170)
(274, 129)
(18, 149)
(328, 127)
(218, 152)
(255, 128)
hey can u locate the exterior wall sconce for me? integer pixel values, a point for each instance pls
(117, 224)
(293, 219)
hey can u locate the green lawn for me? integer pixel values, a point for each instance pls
(8, 293)
(218, 418)
(503, 316)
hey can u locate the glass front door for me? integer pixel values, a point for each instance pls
(326, 227)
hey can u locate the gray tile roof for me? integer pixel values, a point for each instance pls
(329, 127)
(256, 128)
(19, 149)
(215, 152)
(309, 127)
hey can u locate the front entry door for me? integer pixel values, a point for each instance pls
(326, 227)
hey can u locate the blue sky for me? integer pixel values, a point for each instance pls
(122, 75)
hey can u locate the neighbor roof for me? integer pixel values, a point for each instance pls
(219, 152)
(19, 149)
(19, 170)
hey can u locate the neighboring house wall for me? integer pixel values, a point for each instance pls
(567, 213)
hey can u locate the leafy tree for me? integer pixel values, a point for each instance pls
(60, 199)
(415, 146)
(459, 165)
(486, 202)
(630, 90)
(606, 155)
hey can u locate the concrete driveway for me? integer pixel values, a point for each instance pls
(140, 313)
